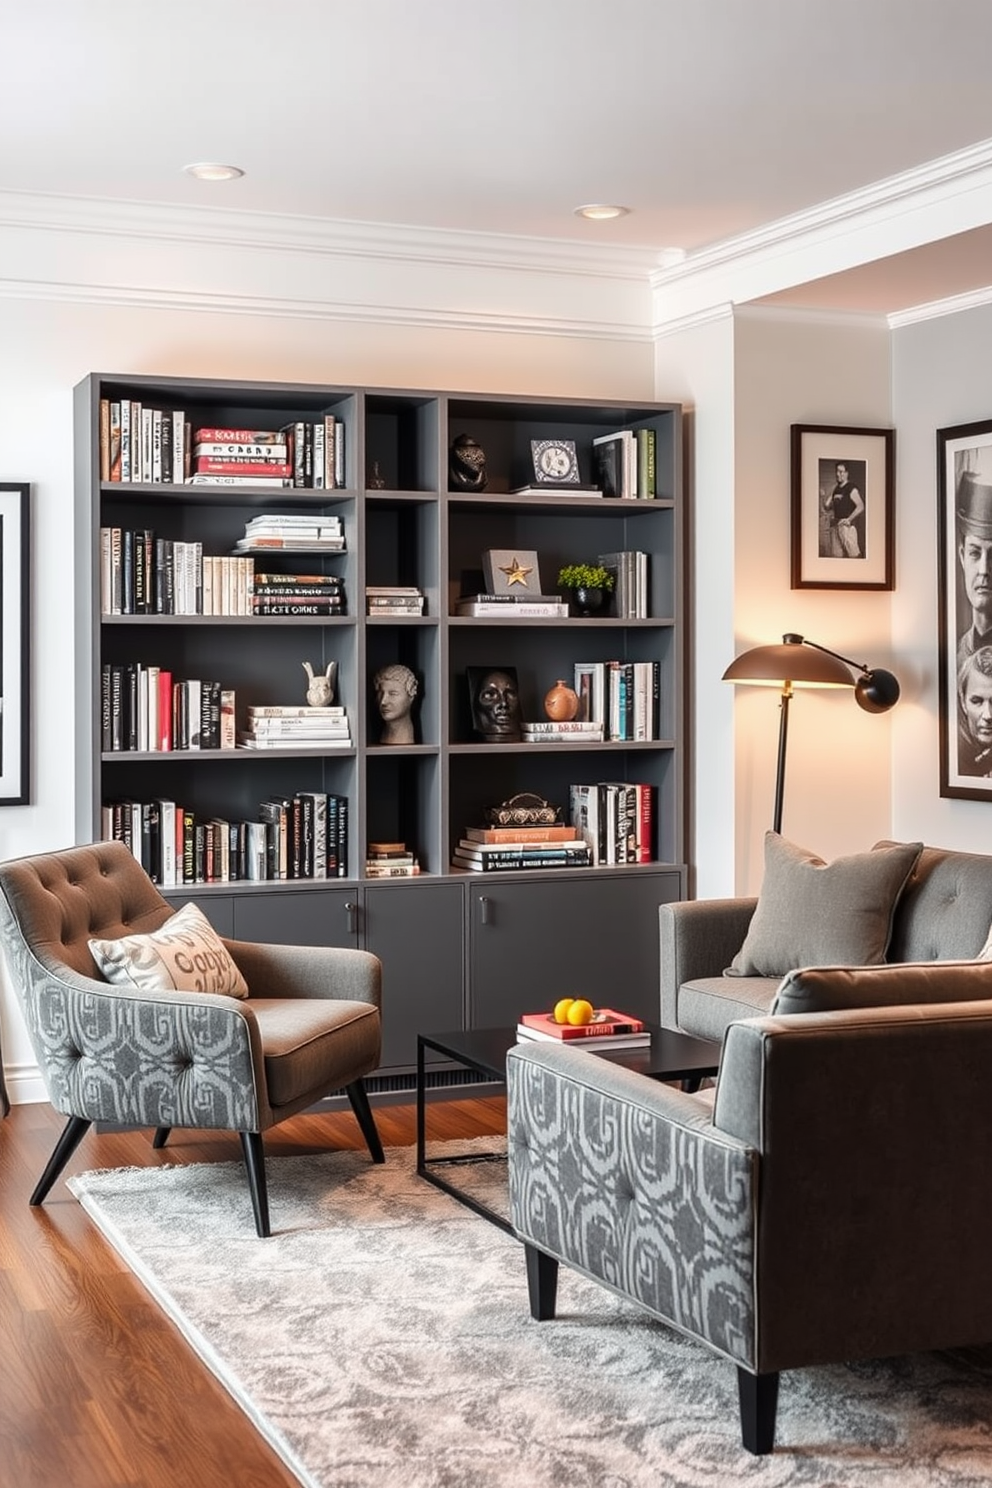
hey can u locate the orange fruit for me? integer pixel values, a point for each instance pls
(562, 1006)
(580, 1011)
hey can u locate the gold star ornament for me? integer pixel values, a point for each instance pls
(516, 573)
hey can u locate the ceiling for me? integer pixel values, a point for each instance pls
(707, 118)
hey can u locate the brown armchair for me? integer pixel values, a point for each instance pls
(309, 1026)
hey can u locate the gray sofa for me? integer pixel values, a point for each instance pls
(830, 1206)
(942, 915)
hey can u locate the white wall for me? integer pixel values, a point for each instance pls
(794, 369)
(942, 376)
(48, 343)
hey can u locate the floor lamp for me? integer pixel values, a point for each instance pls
(802, 663)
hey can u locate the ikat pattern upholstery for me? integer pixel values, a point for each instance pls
(629, 1182)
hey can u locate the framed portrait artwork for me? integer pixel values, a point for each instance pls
(843, 483)
(964, 581)
(14, 632)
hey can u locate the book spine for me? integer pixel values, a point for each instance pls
(207, 465)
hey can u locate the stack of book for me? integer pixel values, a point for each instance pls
(295, 726)
(550, 731)
(144, 708)
(496, 849)
(389, 600)
(616, 819)
(625, 463)
(512, 606)
(630, 582)
(297, 594)
(316, 451)
(608, 1030)
(240, 457)
(390, 860)
(143, 444)
(311, 533)
(624, 696)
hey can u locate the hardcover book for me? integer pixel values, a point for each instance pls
(606, 1023)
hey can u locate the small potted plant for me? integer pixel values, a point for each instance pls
(590, 585)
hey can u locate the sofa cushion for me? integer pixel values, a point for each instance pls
(813, 913)
(184, 955)
(945, 910)
(708, 1004)
(829, 989)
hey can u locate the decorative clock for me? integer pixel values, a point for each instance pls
(555, 462)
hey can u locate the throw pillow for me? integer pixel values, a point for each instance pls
(184, 955)
(812, 913)
(985, 954)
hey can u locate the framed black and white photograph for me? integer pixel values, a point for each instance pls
(964, 489)
(14, 631)
(843, 507)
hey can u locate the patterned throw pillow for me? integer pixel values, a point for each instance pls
(184, 955)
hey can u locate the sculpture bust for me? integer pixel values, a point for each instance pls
(395, 689)
(467, 464)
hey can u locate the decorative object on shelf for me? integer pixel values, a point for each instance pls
(15, 547)
(395, 689)
(843, 494)
(964, 476)
(555, 462)
(320, 693)
(390, 860)
(467, 464)
(376, 480)
(561, 703)
(590, 585)
(525, 809)
(808, 664)
(513, 571)
(495, 699)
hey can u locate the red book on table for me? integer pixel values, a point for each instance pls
(606, 1023)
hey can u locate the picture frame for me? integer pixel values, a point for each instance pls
(511, 571)
(15, 619)
(843, 507)
(494, 700)
(964, 587)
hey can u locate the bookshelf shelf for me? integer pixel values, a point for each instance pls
(444, 934)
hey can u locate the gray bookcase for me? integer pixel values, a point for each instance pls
(458, 949)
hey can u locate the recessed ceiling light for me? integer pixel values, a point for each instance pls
(601, 211)
(209, 170)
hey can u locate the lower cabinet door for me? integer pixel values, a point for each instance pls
(327, 917)
(417, 931)
(535, 941)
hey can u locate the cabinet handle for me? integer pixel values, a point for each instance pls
(484, 903)
(351, 910)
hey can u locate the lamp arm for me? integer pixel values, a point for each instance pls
(798, 640)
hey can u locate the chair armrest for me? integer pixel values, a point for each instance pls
(308, 971)
(698, 938)
(626, 1179)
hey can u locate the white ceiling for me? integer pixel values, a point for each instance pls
(708, 118)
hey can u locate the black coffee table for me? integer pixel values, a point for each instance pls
(671, 1056)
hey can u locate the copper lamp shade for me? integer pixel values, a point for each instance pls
(802, 663)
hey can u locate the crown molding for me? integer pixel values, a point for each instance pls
(325, 237)
(326, 310)
(974, 299)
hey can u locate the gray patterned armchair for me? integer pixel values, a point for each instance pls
(308, 1026)
(831, 1205)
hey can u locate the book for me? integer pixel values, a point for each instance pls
(321, 742)
(504, 835)
(294, 710)
(576, 488)
(208, 465)
(277, 580)
(574, 733)
(615, 1042)
(606, 1023)
(392, 870)
(240, 450)
(521, 610)
(561, 847)
(262, 606)
(287, 544)
(393, 590)
(471, 865)
(238, 480)
(209, 434)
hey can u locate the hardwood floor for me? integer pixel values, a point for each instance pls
(97, 1389)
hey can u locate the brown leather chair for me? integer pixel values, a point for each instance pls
(309, 1026)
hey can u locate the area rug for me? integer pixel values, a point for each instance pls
(382, 1339)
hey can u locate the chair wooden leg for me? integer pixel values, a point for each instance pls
(254, 1153)
(758, 1394)
(542, 1283)
(161, 1136)
(73, 1133)
(359, 1098)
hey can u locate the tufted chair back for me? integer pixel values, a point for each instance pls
(62, 899)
